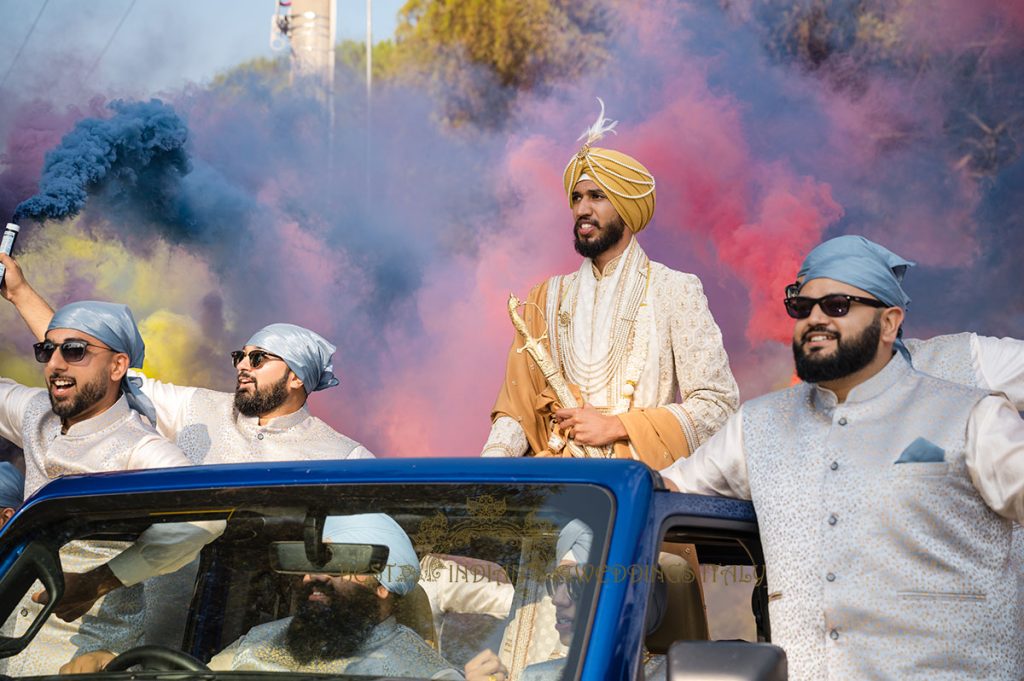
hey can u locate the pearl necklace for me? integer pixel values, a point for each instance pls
(604, 373)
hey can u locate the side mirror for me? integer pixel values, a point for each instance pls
(726, 661)
(37, 562)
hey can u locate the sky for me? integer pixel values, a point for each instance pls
(173, 41)
(225, 206)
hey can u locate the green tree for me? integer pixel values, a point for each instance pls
(477, 55)
(351, 55)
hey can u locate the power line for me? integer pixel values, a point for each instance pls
(23, 43)
(111, 40)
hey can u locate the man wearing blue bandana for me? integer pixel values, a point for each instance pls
(264, 419)
(89, 418)
(995, 364)
(345, 623)
(886, 498)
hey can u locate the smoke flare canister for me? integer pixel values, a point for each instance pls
(10, 234)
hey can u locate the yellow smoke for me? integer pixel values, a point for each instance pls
(173, 342)
(164, 286)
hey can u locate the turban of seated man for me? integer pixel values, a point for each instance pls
(402, 572)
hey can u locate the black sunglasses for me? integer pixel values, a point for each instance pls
(72, 351)
(256, 357)
(834, 304)
(570, 577)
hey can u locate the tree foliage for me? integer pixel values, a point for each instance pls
(350, 55)
(848, 42)
(477, 55)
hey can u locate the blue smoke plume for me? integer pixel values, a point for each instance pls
(138, 154)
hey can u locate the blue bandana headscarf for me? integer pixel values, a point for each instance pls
(12, 486)
(113, 325)
(575, 538)
(306, 353)
(860, 262)
(403, 567)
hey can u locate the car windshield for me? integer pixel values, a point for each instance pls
(366, 580)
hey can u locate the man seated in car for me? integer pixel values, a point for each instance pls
(565, 586)
(12, 491)
(344, 624)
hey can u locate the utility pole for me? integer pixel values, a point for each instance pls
(310, 26)
(311, 30)
(369, 104)
(369, 49)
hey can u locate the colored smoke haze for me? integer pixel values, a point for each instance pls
(400, 240)
(139, 149)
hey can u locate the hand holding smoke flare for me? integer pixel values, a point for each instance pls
(7, 244)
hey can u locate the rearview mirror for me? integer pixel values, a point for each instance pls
(37, 562)
(726, 660)
(291, 557)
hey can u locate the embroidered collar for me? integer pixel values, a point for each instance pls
(896, 370)
(117, 412)
(278, 423)
(612, 264)
(609, 269)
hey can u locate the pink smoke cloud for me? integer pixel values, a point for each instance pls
(410, 280)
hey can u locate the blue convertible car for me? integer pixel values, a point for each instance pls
(673, 585)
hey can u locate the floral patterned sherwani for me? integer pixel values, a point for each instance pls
(637, 337)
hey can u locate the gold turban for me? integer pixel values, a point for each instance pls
(629, 186)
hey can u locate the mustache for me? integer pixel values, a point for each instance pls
(312, 588)
(820, 328)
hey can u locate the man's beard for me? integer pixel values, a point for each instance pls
(850, 356)
(608, 236)
(262, 400)
(87, 396)
(334, 630)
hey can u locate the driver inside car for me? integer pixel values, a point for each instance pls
(344, 623)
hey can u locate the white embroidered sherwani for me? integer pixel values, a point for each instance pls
(208, 428)
(886, 522)
(118, 439)
(637, 336)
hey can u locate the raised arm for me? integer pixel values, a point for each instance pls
(995, 456)
(36, 312)
(1000, 365)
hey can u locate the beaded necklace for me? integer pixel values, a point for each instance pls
(604, 373)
